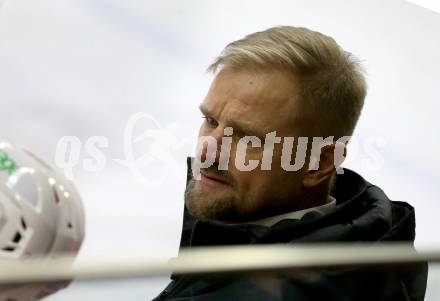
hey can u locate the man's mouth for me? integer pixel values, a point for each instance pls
(211, 179)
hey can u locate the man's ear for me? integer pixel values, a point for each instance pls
(331, 157)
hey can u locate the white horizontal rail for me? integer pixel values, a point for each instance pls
(216, 259)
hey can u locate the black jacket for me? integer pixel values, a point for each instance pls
(363, 214)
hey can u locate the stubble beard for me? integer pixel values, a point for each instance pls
(207, 206)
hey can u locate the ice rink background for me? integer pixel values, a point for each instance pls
(83, 68)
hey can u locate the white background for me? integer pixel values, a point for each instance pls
(84, 67)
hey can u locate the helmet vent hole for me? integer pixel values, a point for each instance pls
(56, 195)
(69, 225)
(17, 237)
(9, 249)
(23, 223)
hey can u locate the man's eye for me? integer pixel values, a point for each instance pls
(211, 121)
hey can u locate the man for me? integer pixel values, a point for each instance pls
(289, 89)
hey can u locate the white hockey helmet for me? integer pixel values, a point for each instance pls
(41, 215)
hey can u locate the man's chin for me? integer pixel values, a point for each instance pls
(212, 206)
(203, 209)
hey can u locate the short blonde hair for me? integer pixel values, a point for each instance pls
(331, 83)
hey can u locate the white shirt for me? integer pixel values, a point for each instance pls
(272, 220)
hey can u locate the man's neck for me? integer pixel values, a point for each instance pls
(323, 209)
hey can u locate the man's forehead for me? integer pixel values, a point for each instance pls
(255, 86)
(263, 99)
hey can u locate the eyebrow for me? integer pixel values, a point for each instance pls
(204, 110)
(241, 127)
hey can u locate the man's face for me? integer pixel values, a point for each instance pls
(253, 104)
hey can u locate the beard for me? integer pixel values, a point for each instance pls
(205, 206)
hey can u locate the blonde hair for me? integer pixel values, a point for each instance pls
(332, 87)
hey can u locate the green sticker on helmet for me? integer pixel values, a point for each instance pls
(6, 163)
